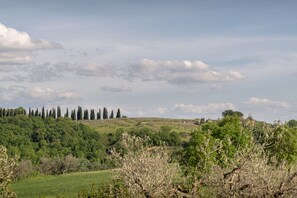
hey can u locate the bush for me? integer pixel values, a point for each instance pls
(56, 166)
(23, 170)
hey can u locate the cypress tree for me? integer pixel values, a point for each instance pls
(59, 114)
(0, 112)
(99, 114)
(47, 113)
(111, 115)
(30, 112)
(36, 112)
(118, 113)
(66, 114)
(73, 115)
(54, 113)
(86, 114)
(105, 113)
(43, 113)
(79, 113)
(92, 114)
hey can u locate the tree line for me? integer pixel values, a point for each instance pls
(75, 114)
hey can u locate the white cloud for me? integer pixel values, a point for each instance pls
(50, 94)
(212, 108)
(16, 46)
(160, 111)
(22, 93)
(12, 39)
(12, 59)
(108, 70)
(264, 102)
(115, 89)
(179, 72)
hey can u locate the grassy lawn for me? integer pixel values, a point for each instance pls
(64, 185)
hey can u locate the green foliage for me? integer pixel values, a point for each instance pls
(232, 113)
(292, 123)
(282, 144)
(216, 143)
(34, 138)
(201, 152)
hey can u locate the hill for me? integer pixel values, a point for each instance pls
(153, 124)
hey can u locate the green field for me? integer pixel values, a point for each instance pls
(155, 124)
(64, 185)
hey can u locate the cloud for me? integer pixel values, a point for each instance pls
(14, 59)
(264, 102)
(160, 111)
(115, 89)
(179, 72)
(16, 46)
(173, 72)
(22, 93)
(108, 70)
(12, 39)
(209, 109)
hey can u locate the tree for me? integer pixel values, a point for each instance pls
(79, 113)
(111, 115)
(118, 114)
(30, 112)
(54, 115)
(86, 114)
(66, 114)
(144, 171)
(292, 123)
(43, 113)
(6, 173)
(252, 175)
(99, 114)
(92, 114)
(73, 115)
(105, 113)
(59, 114)
(36, 112)
(232, 113)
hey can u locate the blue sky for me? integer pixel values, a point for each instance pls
(185, 59)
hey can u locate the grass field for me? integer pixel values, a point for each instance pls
(64, 185)
(111, 125)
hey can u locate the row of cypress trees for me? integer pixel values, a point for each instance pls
(75, 114)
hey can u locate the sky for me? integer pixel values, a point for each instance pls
(157, 58)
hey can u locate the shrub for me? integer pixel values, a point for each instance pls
(23, 170)
(56, 166)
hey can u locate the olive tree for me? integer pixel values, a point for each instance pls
(144, 170)
(6, 173)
